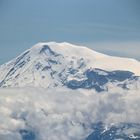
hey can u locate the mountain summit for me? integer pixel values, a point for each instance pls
(63, 64)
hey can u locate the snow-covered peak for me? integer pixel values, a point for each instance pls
(57, 64)
(66, 49)
(93, 58)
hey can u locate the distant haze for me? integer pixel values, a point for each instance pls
(110, 26)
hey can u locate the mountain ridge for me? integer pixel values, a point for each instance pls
(57, 64)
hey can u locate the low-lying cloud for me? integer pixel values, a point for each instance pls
(63, 114)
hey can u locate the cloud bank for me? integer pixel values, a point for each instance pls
(63, 114)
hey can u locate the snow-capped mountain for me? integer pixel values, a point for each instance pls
(43, 101)
(62, 64)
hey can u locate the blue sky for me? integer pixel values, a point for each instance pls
(109, 26)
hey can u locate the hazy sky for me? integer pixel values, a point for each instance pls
(110, 26)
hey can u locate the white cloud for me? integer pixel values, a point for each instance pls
(63, 114)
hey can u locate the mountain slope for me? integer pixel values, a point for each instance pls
(58, 64)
